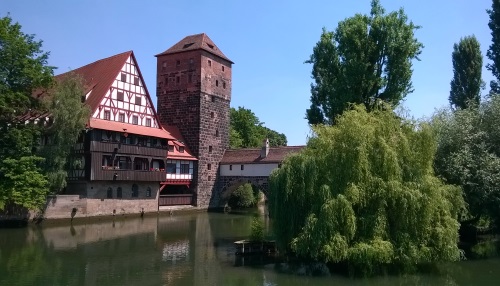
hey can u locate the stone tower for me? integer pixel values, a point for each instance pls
(193, 88)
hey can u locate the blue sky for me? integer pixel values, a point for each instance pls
(268, 41)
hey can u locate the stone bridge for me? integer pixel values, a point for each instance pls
(227, 185)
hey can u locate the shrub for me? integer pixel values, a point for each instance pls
(257, 229)
(242, 197)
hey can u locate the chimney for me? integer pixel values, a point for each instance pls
(265, 149)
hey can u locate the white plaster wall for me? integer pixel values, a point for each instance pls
(250, 170)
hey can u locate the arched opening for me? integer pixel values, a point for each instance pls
(239, 194)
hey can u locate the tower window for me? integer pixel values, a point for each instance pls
(209, 149)
(209, 166)
(124, 77)
(107, 115)
(216, 83)
(209, 63)
(209, 178)
(224, 85)
(164, 64)
(190, 78)
(217, 133)
(213, 98)
(222, 68)
(178, 63)
(148, 122)
(212, 114)
(178, 79)
(119, 96)
(135, 120)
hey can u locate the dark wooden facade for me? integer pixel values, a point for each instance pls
(94, 149)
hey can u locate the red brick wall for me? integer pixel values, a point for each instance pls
(200, 109)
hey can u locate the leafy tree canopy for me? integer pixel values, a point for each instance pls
(363, 192)
(467, 65)
(468, 155)
(366, 59)
(246, 130)
(493, 52)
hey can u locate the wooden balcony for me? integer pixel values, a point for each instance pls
(127, 175)
(175, 200)
(110, 147)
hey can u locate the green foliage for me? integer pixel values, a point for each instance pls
(257, 229)
(467, 65)
(246, 130)
(22, 183)
(242, 197)
(366, 59)
(493, 52)
(23, 68)
(69, 116)
(468, 155)
(364, 192)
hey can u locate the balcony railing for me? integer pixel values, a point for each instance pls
(110, 173)
(122, 148)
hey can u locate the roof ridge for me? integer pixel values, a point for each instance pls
(101, 60)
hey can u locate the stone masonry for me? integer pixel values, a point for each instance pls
(194, 93)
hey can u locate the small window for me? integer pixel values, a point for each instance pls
(136, 80)
(209, 149)
(178, 63)
(242, 167)
(178, 79)
(138, 100)
(216, 83)
(191, 61)
(170, 148)
(135, 120)
(119, 192)
(165, 64)
(223, 85)
(119, 96)
(190, 78)
(109, 194)
(107, 115)
(148, 122)
(230, 167)
(181, 149)
(222, 68)
(209, 166)
(212, 114)
(121, 117)
(124, 77)
(209, 63)
(135, 191)
(209, 178)
(216, 132)
(148, 192)
(213, 98)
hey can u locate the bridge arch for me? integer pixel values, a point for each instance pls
(230, 183)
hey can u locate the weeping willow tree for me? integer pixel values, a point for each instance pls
(363, 192)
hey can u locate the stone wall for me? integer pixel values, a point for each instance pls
(227, 184)
(194, 94)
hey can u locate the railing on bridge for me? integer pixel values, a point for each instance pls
(175, 200)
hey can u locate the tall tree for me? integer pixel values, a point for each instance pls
(493, 52)
(23, 69)
(467, 65)
(363, 193)
(368, 58)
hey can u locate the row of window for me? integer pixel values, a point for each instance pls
(171, 148)
(125, 163)
(121, 118)
(120, 97)
(124, 78)
(132, 139)
(242, 167)
(134, 194)
(191, 62)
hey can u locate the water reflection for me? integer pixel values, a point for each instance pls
(192, 249)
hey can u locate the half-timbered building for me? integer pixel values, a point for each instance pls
(120, 163)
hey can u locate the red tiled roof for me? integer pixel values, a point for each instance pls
(252, 155)
(196, 42)
(129, 128)
(178, 142)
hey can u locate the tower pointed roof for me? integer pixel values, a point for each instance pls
(196, 42)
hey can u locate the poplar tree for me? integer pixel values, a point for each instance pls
(366, 59)
(467, 65)
(493, 52)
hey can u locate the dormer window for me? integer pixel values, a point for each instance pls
(181, 149)
(170, 148)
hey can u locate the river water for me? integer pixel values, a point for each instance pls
(181, 249)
